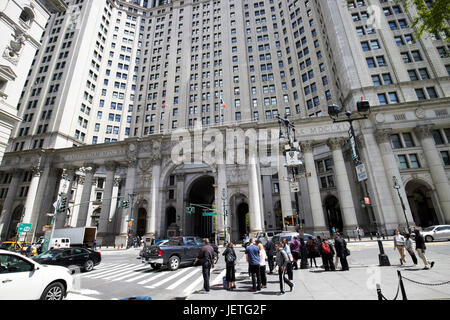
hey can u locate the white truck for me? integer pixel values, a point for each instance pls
(79, 237)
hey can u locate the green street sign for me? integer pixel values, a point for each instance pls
(24, 228)
(209, 214)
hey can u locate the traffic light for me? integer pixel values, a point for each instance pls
(62, 204)
(125, 204)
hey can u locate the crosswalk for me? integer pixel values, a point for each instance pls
(185, 279)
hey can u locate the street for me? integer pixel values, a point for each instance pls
(122, 275)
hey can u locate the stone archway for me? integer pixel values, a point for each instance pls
(240, 216)
(201, 192)
(333, 213)
(15, 219)
(141, 223)
(171, 216)
(421, 203)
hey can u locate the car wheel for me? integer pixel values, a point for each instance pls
(55, 291)
(429, 239)
(155, 266)
(88, 265)
(174, 263)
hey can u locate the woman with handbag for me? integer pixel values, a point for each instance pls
(312, 254)
(230, 261)
(409, 248)
(289, 267)
(262, 264)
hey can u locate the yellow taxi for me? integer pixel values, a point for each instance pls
(17, 246)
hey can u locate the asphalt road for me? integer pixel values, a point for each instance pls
(122, 275)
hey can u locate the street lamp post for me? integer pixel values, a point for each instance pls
(397, 187)
(293, 146)
(363, 107)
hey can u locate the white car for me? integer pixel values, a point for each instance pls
(24, 279)
(440, 232)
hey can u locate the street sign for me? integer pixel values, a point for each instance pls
(209, 214)
(295, 187)
(24, 227)
(361, 172)
(292, 158)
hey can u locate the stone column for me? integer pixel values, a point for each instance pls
(31, 196)
(155, 206)
(77, 200)
(86, 196)
(113, 208)
(62, 217)
(126, 213)
(285, 190)
(221, 189)
(8, 204)
(104, 221)
(343, 185)
(180, 206)
(254, 196)
(313, 187)
(437, 171)
(391, 169)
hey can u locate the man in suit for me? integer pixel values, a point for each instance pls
(206, 259)
(340, 245)
(270, 250)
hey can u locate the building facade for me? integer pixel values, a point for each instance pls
(115, 81)
(21, 24)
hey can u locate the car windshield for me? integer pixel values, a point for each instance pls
(6, 245)
(48, 254)
(175, 242)
(428, 229)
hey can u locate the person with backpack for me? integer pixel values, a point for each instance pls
(230, 262)
(409, 248)
(327, 253)
(341, 250)
(270, 250)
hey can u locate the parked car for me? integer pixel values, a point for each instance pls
(270, 233)
(17, 246)
(289, 236)
(439, 232)
(178, 251)
(84, 258)
(22, 278)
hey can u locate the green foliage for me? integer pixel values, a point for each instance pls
(434, 19)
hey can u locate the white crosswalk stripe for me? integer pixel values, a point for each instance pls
(120, 274)
(131, 273)
(177, 283)
(138, 277)
(103, 273)
(101, 270)
(169, 278)
(193, 285)
(159, 275)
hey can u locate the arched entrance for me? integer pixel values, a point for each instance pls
(278, 216)
(243, 216)
(421, 204)
(171, 216)
(15, 219)
(333, 213)
(240, 216)
(141, 222)
(201, 193)
(95, 217)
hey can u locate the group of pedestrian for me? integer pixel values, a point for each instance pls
(404, 242)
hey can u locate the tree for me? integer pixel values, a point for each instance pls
(433, 17)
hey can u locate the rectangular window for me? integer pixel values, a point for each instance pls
(414, 161)
(403, 162)
(445, 158)
(408, 139)
(396, 142)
